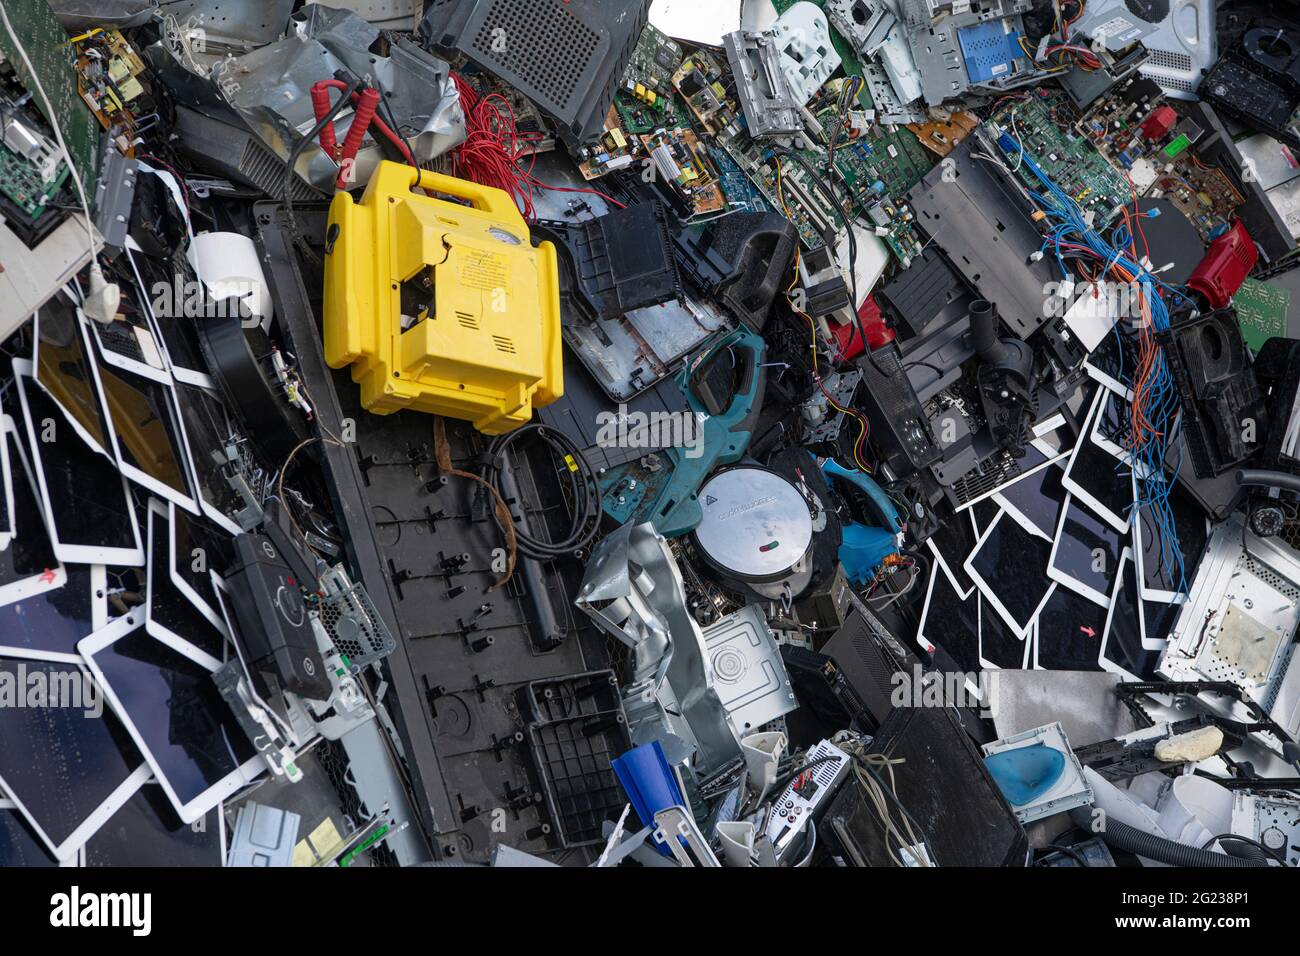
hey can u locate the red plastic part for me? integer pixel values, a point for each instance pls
(366, 104)
(1225, 266)
(1159, 124)
(320, 103)
(878, 333)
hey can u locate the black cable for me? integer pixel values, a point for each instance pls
(848, 228)
(1243, 839)
(582, 482)
(934, 368)
(1069, 851)
(392, 119)
(286, 194)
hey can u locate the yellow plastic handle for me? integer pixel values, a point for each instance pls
(488, 198)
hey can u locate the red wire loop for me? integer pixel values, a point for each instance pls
(495, 153)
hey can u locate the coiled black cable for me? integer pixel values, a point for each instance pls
(582, 484)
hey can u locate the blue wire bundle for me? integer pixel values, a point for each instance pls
(1150, 443)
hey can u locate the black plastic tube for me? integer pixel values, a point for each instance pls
(1124, 837)
(984, 332)
(1269, 479)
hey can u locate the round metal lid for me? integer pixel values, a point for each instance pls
(756, 524)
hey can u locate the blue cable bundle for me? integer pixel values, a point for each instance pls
(1153, 421)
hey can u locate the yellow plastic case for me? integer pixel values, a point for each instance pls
(488, 348)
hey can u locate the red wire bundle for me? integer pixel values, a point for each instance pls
(494, 149)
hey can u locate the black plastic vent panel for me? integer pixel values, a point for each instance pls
(567, 56)
(519, 41)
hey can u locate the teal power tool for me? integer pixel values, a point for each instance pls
(724, 389)
(864, 547)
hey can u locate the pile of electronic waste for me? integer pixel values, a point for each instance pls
(561, 432)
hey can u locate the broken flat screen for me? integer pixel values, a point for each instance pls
(1101, 481)
(208, 431)
(1114, 361)
(179, 340)
(128, 342)
(951, 545)
(952, 622)
(1009, 566)
(48, 625)
(1158, 620)
(1000, 647)
(1112, 426)
(1069, 633)
(83, 495)
(19, 845)
(28, 565)
(1085, 555)
(65, 759)
(63, 368)
(175, 715)
(1161, 577)
(1038, 499)
(146, 433)
(195, 548)
(983, 513)
(147, 832)
(1124, 650)
(171, 613)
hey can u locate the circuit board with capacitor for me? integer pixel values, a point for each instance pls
(654, 60)
(640, 116)
(684, 164)
(1042, 127)
(709, 94)
(613, 150)
(1203, 194)
(109, 73)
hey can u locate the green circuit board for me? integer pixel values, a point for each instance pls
(54, 60)
(804, 205)
(872, 171)
(654, 60)
(892, 155)
(1043, 126)
(1261, 312)
(23, 186)
(742, 195)
(811, 212)
(640, 118)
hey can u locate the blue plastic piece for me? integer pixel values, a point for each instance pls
(863, 547)
(649, 782)
(885, 511)
(861, 551)
(1026, 773)
(989, 50)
